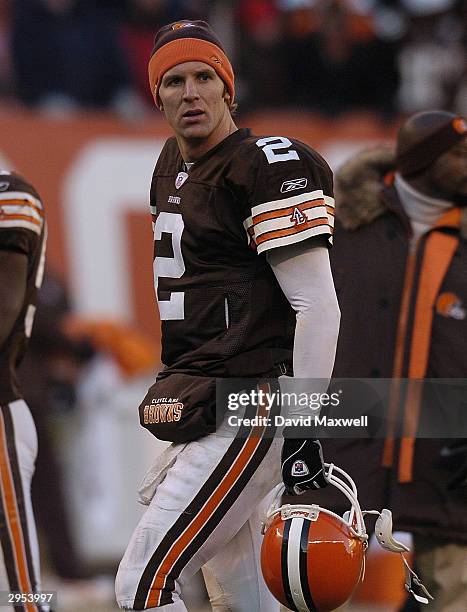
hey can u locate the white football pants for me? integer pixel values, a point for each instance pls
(206, 512)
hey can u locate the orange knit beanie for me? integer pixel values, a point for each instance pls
(188, 41)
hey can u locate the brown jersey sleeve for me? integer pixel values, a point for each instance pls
(290, 196)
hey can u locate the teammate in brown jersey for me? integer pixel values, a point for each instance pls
(22, 254)
(242, 226)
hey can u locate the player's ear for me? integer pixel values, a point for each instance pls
(226, 97)
(159, 104)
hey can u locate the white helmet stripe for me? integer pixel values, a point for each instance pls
(293, 563)
(285, 565)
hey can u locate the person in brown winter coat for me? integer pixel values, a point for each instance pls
(400, 268)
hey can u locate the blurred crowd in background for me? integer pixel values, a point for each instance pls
(327, 56)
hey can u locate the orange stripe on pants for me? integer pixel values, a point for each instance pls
(206, 512)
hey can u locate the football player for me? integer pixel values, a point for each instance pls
(22, 255)
(242, 226)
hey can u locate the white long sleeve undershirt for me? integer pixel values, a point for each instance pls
(304, 275)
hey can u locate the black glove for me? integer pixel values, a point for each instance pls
(302, 465)
(453, 457)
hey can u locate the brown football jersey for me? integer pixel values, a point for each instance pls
(222, 310)
(22, 229)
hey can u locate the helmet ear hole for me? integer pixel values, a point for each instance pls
(346, 516)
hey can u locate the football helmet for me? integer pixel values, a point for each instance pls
(312, 559)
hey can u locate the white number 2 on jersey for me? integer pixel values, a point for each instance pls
(170, 267)
(269, 146)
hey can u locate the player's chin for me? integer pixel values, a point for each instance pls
(196, 130)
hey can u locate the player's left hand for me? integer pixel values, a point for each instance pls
(302, 465)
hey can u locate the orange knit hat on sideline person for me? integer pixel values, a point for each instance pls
(188, 41)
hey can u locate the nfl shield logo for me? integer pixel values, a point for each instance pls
(181, 178)
(300, 468)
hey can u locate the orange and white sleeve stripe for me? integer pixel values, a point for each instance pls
(290, 220)
(21, 209)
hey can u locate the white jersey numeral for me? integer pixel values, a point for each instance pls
(269, 146)
(40, 268)
(170, 267)
(31, 309)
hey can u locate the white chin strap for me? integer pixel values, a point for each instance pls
(354, 520)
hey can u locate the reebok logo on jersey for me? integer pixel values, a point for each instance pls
(300, 183)
(174, 199)
(298, 218)
(300, 468)
(4, 185)
(181, 178)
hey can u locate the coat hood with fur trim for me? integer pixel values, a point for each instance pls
(358, 188)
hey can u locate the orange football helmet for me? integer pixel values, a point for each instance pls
(298, 539)
(312, 559)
